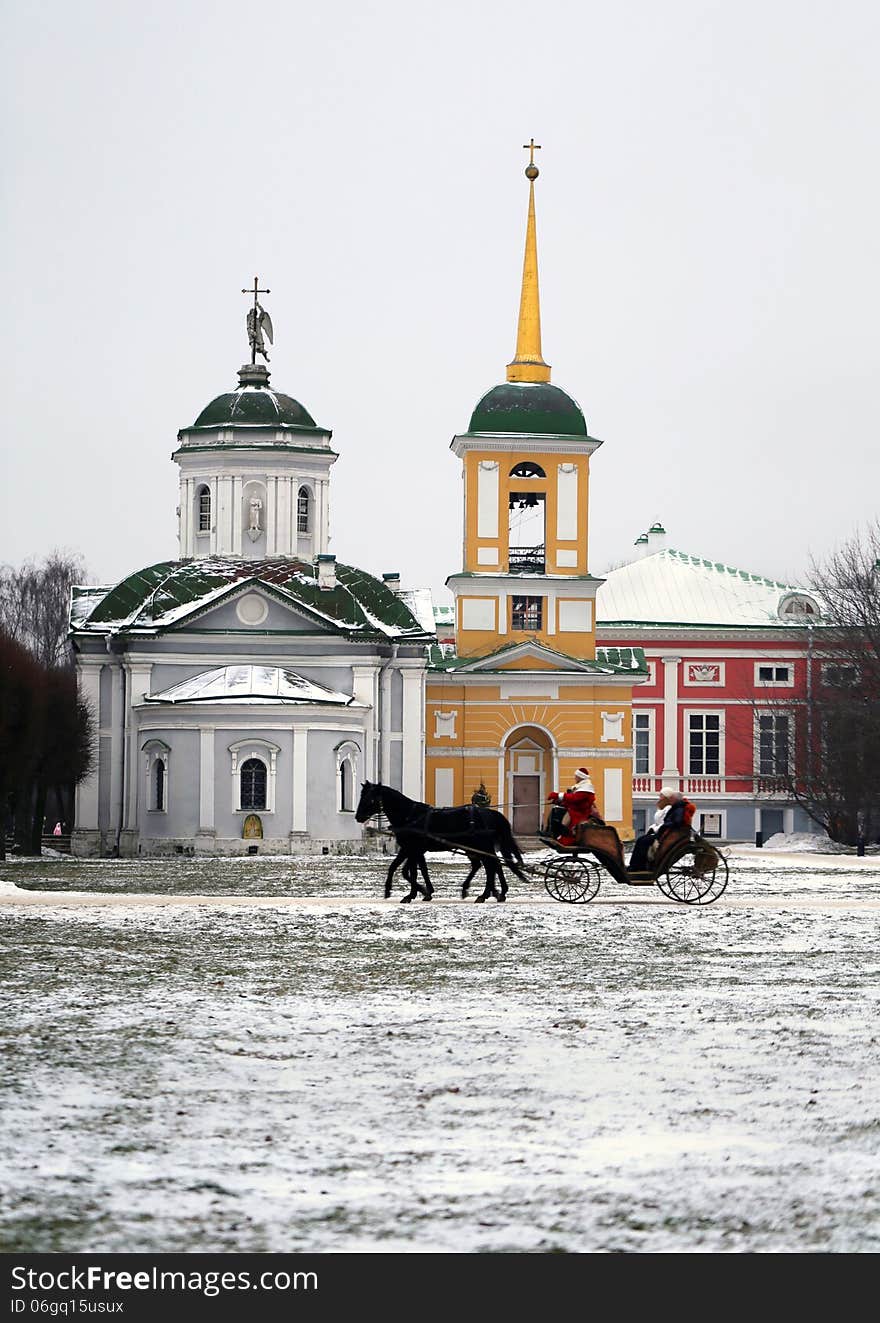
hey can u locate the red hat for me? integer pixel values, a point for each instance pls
(582, 774)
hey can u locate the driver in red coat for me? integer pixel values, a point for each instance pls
(579, 801)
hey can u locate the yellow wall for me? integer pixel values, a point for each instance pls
(484, 721)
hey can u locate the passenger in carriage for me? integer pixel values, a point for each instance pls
(673, 810)
(578, 803)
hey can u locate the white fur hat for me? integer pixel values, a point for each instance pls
(668, 792)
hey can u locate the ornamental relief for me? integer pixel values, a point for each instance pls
(704, 673)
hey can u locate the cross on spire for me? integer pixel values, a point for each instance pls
(531, 147)
(256, 290)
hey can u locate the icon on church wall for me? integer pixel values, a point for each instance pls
(253, 828)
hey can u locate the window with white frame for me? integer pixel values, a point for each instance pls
(704, 743)
(347, 755)
(253, 770)
(304, 510)
(203, 509)
(157, 758)
(773, 673)
(643, 743)
(774, 743)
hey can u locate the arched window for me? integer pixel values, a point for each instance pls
(203, 511)
(303, 511)
(157, 762)
(346, 802)
(253, 784)
(347, 755)
(527, 469)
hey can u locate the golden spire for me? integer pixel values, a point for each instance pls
(528, 363)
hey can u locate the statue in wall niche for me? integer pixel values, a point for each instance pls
(254, 530)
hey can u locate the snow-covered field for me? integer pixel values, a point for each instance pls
(318, 1069)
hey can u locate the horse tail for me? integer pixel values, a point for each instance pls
(506, 843)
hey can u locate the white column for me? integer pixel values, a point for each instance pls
(413, 732)
(215, 513)
(670, 720)
(271, 514)
(322, 529)
(788, 821)
(228, 504)
(138, 684)
(300, 779)
(282, 530)
(183, 519)
(236, 515)
(117, 737)
(206, 778)
(364, 691)
(89, 680)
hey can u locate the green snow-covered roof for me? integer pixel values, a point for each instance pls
(253, 407)
(629, 661)
(528, 406)
(158, 596)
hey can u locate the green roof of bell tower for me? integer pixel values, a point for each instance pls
(527, 406)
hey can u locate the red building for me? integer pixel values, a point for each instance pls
(731, 658)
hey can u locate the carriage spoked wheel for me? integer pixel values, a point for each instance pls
(697, 877)
(574, 881)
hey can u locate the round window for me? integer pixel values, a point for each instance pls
(252, 609)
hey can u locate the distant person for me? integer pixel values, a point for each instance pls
(578, 804)
(56, 830)
(673, 810)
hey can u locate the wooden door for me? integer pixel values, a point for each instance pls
(526, 805)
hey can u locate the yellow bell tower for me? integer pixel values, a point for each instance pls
(526, 458)
(526, 697)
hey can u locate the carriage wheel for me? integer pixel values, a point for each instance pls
(574, 881)
(697, 877)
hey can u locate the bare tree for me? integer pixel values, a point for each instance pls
(46, 731)
(823, 751)
(35, 604)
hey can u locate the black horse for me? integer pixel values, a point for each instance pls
(419, 828)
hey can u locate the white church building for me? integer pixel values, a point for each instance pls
(243, 692)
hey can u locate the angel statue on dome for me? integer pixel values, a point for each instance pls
(259, 324)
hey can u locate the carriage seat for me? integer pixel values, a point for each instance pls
(601, 839)
(666, 844)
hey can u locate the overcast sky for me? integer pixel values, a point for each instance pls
(708, 224)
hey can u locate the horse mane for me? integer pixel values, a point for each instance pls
(399, 800)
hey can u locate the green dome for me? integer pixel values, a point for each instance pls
(527, 406)
(253, 407)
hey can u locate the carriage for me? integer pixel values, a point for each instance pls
(685, 868)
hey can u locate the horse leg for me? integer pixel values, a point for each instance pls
(489, 889)
(475, 868)
(395, 864)
(411, 873)
(423, 865)
(502, 894)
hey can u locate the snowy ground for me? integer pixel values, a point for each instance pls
(318, 1069)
